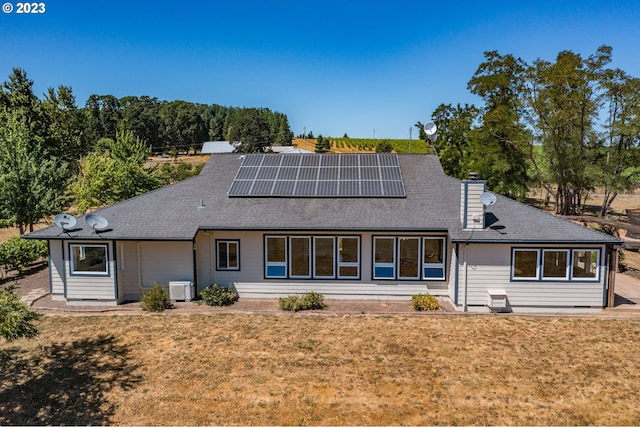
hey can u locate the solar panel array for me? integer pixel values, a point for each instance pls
(318, 175)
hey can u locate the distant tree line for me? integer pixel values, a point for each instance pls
(568, 126)
(54, 155)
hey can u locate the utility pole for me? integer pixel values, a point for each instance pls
(410, 133)
(304, 137)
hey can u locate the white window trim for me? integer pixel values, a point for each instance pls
(268, 263)
(391, 265)
(82, 247)
(568, 268)
(566, 265)
(513, 264)
(597, 267)
(442, 264)
(348, 264)
(290, 257)
(227, 243)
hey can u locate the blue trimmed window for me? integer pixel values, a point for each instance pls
(555, 264)
(89, 259)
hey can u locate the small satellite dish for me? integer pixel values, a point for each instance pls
(430, 128)
(487, 198)
(96, 222)
(65, 221)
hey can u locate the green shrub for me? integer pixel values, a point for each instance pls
(290, 303)
(156, 298)
(423, 302)
(17, 253)
(309, 301)
(218, 296)
(384, 146)
(16, 318)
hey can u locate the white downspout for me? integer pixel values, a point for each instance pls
(464, 304)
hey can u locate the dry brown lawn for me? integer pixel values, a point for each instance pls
(237, 369)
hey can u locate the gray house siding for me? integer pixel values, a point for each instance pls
(250, 281)
(56, 269)
(489, 267)
(86, 288)
(164, 262)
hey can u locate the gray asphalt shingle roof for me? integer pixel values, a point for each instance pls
(432, 204)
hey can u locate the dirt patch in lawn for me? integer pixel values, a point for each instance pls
(234, 369)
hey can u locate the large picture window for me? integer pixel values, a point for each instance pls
(525, 264)
(300, 256)
(585, 264)
(559, 264)
(228, 255)
(312, 257)
(324, 256)
(89, 259)
(555, 264)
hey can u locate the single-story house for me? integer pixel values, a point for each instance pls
(381, 226)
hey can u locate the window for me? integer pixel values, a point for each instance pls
(228, 257)
(276, 257)
(323, 265)
(585, 264)
(560, 264)
(433, 262)
(89, 259)
(409, 258)
(348, 257)
(312, 257)
(525, 264)
(384, 257)
(300, 256)
(555, 264)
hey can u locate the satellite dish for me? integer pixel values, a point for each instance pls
(96, 222)
(430, 128)
(65, 221)
(487, 198)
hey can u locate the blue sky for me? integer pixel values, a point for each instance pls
(363, 68)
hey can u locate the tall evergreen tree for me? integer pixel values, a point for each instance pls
(251, 129)
(32, 182)
(501, 138)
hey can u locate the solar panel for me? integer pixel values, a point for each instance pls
(318, 175)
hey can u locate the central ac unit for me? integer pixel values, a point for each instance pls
(181, 291)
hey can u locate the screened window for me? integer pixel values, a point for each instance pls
(585, 264)
(384, 258)
(555, 264)
(324, 266)
(89, 259)
(433, 258)
(228, 255)
(525, 264)
(348, 257)
(409, 258)
(300, 256)
(276, 259)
